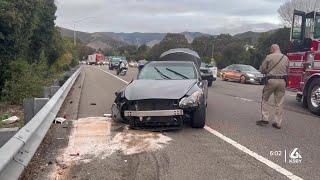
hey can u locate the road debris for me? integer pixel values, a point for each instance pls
(74, 154)
(11, 120)
(106, 115)
(59, 120)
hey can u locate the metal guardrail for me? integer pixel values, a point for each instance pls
(19, 150)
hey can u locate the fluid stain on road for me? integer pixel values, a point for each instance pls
(93, 138)
(133, 142)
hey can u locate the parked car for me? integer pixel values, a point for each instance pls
(207, 73)
(114, 63)
(242, 73)
(165, 93)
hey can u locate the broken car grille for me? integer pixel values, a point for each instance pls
(155, 104)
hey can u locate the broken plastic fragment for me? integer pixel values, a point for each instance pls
(11, 120)
(59, 120)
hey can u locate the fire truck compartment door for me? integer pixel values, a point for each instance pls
(295, 71)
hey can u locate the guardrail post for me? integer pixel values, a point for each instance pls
(28, 110)
(32, 106)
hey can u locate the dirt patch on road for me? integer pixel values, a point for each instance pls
(93, 139)
(134, 142)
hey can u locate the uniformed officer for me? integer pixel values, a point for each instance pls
(275, 66)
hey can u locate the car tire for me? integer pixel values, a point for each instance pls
(199, 117)
(315, 84)
(224, 77)
(209, 83)
(243, 80)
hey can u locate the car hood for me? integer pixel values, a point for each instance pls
(252, 72)
(158, 89)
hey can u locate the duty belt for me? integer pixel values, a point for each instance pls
(277, 77)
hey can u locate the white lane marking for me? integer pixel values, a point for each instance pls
(244, 99)
(242, 148)
(112, 75)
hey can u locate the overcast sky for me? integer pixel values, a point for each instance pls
(208, 16)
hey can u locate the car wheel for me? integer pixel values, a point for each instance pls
(243, 80)
(313, 97)
(199, 117)
(209, 83)
(224, 77)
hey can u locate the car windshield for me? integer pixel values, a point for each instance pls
(247, 68)
(115, 60)
(169, 71)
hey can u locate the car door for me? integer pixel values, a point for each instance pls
(237, 73)
(228, 73)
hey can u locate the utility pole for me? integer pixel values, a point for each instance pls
(74, 35)
(212, 51)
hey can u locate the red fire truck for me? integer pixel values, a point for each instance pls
(304, 59)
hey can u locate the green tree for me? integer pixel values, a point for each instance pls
(170, 41)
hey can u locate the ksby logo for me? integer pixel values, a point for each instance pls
(295, 156)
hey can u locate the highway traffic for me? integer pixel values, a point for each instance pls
(230, 146)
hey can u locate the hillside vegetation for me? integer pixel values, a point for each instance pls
(32, 51)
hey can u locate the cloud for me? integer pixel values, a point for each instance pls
(209, 16)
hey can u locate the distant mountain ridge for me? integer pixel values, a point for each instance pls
(112, 40)
(104, 40)
(250, 36)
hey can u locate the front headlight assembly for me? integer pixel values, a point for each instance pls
(251, 75)
(191, 101)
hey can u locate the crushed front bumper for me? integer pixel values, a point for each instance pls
(154, 113)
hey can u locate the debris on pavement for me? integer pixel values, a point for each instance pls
(74, 154)
(11, 120)
(67, 124)
(106, 115)
(59, 120)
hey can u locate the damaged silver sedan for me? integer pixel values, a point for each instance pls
(167, 93)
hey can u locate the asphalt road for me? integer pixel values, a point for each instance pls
(242, 150)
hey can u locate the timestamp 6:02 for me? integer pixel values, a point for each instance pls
(275, 153)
